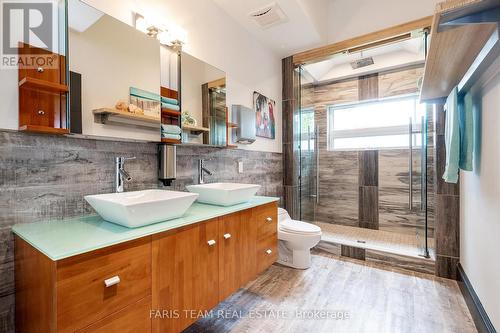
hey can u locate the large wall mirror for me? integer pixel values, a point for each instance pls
(115, 77)
(203, 96)
(118, 82)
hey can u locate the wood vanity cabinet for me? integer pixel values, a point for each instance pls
(185, 274)
(196, 267)
(164, 279)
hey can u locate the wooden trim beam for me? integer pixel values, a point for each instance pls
(388, 34)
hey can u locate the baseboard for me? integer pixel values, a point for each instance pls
(479, 315)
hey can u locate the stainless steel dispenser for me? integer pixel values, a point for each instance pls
(167, 163)
(245, 119)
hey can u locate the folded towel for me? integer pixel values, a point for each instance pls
(169, 100)
(170, 106)
(466, 133)
(171, 129)
(452, 138)
(170, 136)
(144, 94)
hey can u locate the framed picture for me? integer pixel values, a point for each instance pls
(264, 112)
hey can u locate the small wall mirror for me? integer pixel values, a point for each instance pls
(115, 77)
(203, 98)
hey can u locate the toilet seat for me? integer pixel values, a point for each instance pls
(299, 227)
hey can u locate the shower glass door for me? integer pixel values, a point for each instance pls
(309, 193)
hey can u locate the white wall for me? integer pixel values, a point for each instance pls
(169, 68)
(112, 57)
(480, 204)
(217, 39)
(348, 18)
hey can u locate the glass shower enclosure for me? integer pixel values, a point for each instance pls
(341, 145)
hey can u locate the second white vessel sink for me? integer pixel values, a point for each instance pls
(224, 194)
(140, 208)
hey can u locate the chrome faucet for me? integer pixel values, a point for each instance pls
(201, 171)
(121, 176)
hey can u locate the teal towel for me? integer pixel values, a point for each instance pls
(169, 100)
(170, 136)
(466, 133)
(452, 138)
(170, 106)
(144, 94)
(171, 129)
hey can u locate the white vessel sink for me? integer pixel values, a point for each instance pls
(224, 194)
(135, 209)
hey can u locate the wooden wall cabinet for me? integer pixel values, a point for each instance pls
(42, 92)
(164, 279)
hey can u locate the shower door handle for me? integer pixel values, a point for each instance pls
(410, 165)
(316, 148)
(423, 166)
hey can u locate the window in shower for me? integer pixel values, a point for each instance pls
(383, 123)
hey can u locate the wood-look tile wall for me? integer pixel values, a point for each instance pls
(45, 177)
(344, 199)
(291, 136)
(447, 198)
(368, 206)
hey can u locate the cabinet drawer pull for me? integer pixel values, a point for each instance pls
(269, 219)
(269, 251)
(41, 112)
(112, 281)
(211, 242)
(40, 70)
(227, 236)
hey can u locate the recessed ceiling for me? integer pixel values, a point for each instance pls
(400, 54)
(315, 23)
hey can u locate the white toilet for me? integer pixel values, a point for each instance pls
(296, 238)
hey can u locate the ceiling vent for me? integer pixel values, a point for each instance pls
(269, 16)
(362, 63)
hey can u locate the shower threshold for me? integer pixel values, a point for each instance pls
(399, 250)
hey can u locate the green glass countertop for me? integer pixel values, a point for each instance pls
(65, 238)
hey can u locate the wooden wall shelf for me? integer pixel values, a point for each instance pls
(106, 114)
(43, 129)
(197, 130)
(463, 43)
(41, 85)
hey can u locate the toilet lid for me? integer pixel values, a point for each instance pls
(299, 227)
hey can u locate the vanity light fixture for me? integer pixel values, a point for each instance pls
(170, 35)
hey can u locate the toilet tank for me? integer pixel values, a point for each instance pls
(283, 215)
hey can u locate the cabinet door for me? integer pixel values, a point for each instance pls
(237, 259)
(249, 237)
(185, 275)
(229, 254)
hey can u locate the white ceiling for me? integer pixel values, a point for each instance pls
(314, 23)
(81, 16)
(305, 27)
